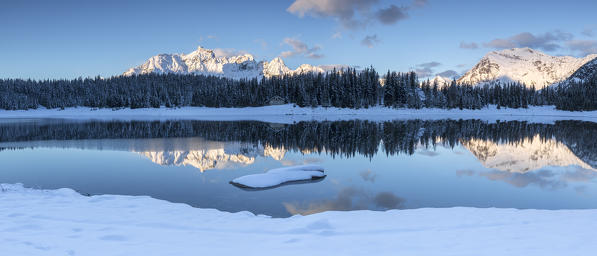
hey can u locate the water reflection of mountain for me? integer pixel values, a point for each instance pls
(214, 158)
(525, 155)
(568, 142)
(197, 152)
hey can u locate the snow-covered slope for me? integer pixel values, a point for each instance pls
(440, 81)
(524, 65)
(583, 74)
(204, 62)
(524, 156)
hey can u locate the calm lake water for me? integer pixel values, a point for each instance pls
(369, 165)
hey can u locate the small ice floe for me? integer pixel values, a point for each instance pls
(279, 176)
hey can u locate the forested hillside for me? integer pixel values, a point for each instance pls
(342, 88)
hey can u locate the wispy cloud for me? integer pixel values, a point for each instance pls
(449, 73)
(545, 179)
(590, 31)
(426, 69)
(207, 38)
(348, 199)
(370, 41)
(472, 45)
(227, 52)
(583, 47)
(549, 41)
(261, 42)
(300, 48)
(368, 175)
(420, 3)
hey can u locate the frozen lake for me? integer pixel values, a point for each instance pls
(369, 165)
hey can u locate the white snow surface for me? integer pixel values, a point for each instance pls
(525, 65)
(278, 176)
(63, 222)
(289, 114)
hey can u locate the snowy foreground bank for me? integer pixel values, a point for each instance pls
(62, 222)
(289, 114)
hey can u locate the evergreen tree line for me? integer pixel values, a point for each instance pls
(343, 138)
(342, 88)
(578, 95)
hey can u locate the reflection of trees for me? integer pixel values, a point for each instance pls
(345, 138)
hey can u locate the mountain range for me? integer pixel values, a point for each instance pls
(205, 62)
(525, 65)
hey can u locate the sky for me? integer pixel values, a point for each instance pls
(69, 39)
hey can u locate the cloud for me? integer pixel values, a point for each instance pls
(388, 200)
(583, 47)
(463, 173)
(545, 179)
(426, 69)
(391, 15)
(370, 41)
(345, 11)
(348, 199)
(448, 73)
(420, 3)
(352, 14)
(206, 38)
(472, 45)
(227, 52)
(368, 175)
(590, 32)
(300, 48)
(337, 35)
(549, 41)
(261, 42)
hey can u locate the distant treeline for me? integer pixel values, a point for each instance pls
(343, 138)
(343, 88)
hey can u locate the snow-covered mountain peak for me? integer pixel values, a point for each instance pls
(205, 62)
(525, 65)
(201, 53)
(276, 67)
(440, 81)
(307, 68)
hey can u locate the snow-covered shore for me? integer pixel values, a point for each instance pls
(62, 222)
(289, 114)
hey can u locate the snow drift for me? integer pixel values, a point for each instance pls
(279, 176)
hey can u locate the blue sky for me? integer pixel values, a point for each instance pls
(67, 39)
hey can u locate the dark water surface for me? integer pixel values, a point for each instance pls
(369, 165)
